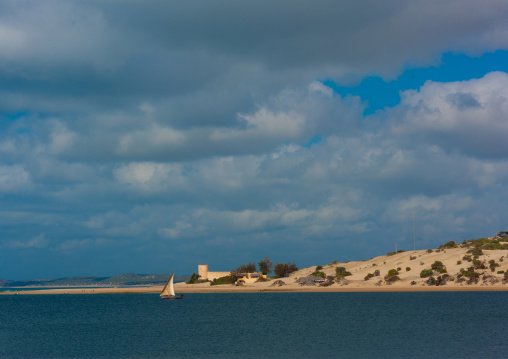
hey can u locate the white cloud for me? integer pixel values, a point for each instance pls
(150, 176)
(319, 87)
(14, 178)
(466, 115)
(127, 126)
(74, 244)
(61, 139)
(153, 139)
(36, 242)
(11, 40)
(264, 124)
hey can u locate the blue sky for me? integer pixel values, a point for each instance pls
(152, 136)
(379, 93)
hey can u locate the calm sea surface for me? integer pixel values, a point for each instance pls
(256, 325)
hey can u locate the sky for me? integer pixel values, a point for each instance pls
(150, 136)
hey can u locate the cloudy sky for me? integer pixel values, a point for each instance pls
(147, 136)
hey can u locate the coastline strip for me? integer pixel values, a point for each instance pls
(259, 289)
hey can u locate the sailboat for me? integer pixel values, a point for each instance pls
(168, 292)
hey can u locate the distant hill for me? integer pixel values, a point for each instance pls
(119, 280)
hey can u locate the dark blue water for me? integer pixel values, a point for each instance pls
(24, 289)
(256, 325)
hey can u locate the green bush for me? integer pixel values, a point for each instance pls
(392, 272)
(399, 269)
(342, 272)
(431, 281)
(426, 273)
(430, 250)
(329, 281)
(500, 271)
(493, 265)
(450, 244)
(467, 258)
(319, 268)
(318, 274)
(228, 279)
(368, 276)
(393, 253)
(459, 262)
(437, 265)
(476, 251)
(477, 264)
(492, 245)
(441, 280)
(408, 269)
(377, 273)
(391, 278)
(413, 282)
(474, 277)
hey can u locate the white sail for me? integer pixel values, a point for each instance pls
(168, 288)
(171, 289)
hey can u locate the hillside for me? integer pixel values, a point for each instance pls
(120, 280)
(475, 262)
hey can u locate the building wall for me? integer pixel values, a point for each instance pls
(205, 274)
(203, 271)
(215, 275)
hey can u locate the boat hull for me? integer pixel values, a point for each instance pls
(171, 296)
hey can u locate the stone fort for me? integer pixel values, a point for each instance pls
(205, 274)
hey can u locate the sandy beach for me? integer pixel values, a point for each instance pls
(260, 288)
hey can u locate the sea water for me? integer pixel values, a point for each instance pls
(255, 325)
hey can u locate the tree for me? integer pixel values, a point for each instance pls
(193, 279)
(265, 265)
(284, 269)
(246, 268)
